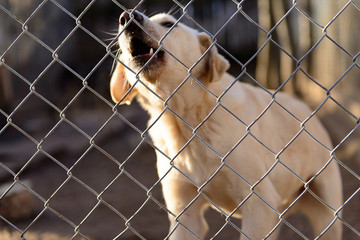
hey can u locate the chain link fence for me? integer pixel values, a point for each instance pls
(73, 165)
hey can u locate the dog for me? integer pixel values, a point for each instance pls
(242, 150)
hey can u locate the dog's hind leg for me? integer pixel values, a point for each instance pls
(327, 186)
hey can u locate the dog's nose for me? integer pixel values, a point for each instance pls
(125, 18)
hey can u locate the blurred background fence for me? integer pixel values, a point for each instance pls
(71, 169)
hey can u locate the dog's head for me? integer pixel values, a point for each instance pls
(161, 52)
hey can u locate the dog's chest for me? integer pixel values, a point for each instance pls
(189, 152)
(192, 158)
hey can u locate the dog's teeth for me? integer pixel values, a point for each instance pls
(151, 51)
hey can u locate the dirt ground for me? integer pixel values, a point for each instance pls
(116, 202)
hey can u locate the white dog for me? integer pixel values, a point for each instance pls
(233, 147)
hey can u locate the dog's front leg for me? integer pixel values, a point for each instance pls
(259, 215)
(186, 210)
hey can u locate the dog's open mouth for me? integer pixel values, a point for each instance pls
(142, 52)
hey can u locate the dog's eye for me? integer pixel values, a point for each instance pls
(167, 24)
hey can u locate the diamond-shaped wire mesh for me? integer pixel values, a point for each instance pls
(74, 165)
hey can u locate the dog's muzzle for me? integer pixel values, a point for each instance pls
(140, 44)
(125, 17)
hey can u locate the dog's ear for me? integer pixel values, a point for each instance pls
(215, 64)
(119, 86)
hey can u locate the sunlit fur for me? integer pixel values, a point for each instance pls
(241, 159)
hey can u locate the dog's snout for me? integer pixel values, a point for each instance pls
(125, 18)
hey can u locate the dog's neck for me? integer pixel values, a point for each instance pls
(187, 104)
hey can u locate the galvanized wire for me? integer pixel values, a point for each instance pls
(144, 134)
